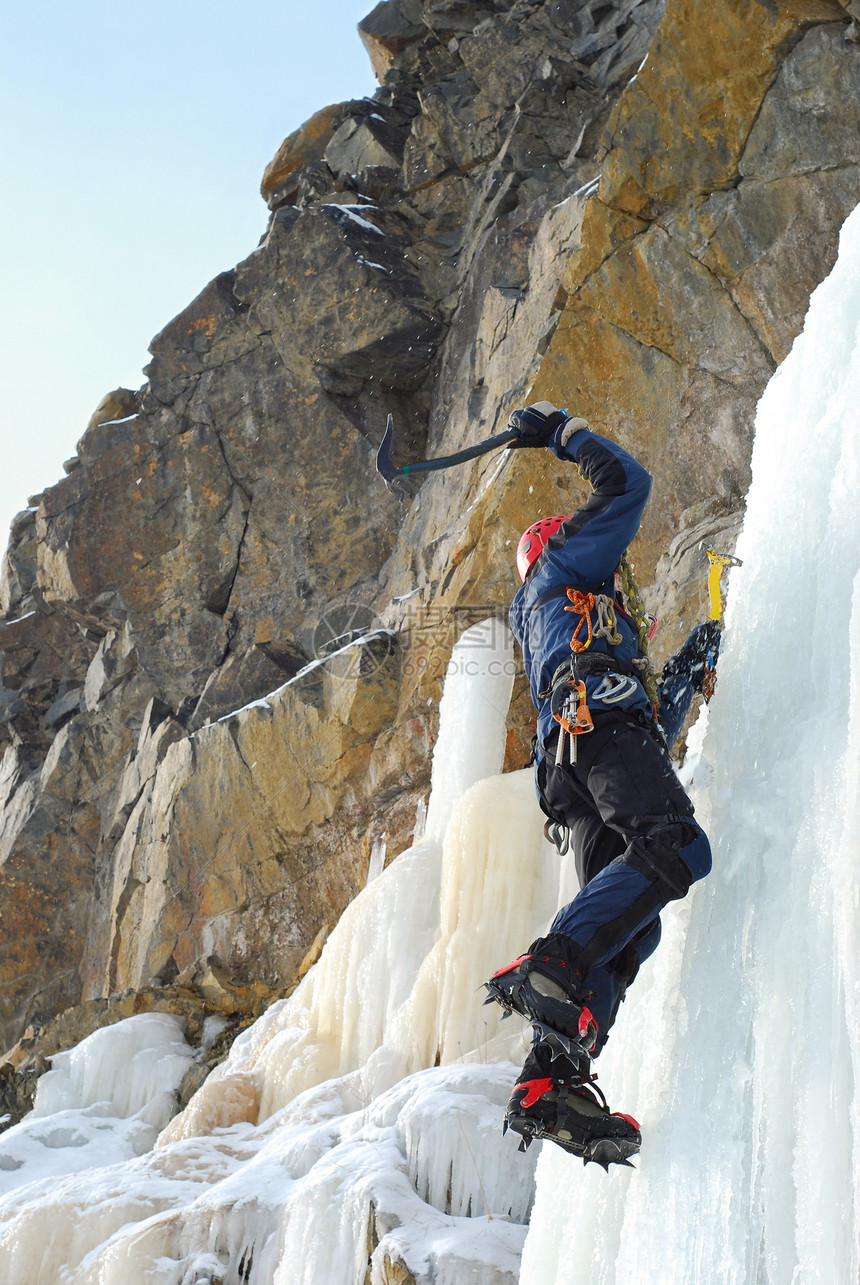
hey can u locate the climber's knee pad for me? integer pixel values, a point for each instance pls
(697, 855)
(677, 854)
(624, 966)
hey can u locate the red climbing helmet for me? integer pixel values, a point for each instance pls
(533, 542)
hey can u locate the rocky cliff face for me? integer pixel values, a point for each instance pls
(593, 201)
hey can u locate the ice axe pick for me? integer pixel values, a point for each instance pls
(388, 472)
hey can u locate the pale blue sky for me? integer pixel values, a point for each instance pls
(135, 134)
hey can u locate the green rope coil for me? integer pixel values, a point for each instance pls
(636, 608)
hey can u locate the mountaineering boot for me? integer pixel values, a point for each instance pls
(575, 1116)
(545, 985)
(560, 1101)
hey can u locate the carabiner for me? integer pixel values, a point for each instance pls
(614, 688)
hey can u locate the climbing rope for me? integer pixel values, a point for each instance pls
(583, 605)
(636, 609)
(643, 622)
(607, 622)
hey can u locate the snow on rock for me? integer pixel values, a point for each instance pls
(360, 1116)
(133, 1067)
(350, 211)
(264, 702)
(102, 1104)
(103, 1101)
(738, 1049)
(425, 1157)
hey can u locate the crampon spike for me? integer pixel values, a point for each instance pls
(559, 1045)
(609, 1151)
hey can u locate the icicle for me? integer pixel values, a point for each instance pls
(377, 858)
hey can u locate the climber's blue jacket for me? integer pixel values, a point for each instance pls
(584, 554)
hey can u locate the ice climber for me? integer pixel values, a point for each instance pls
(604, 780)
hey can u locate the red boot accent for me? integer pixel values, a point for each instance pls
(629, 1119)
(585, 1020)
(513, 964)
(536, 1090)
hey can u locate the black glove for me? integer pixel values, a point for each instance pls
(705, 639)
(535, 425)
(698, 654)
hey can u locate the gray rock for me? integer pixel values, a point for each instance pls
(18, 571)
(66, 704)
(360, 144)
(810, 119)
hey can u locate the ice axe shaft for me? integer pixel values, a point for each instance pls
(388, 472)
(715, 570)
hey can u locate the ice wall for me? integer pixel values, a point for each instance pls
(738, 1049)
(362, 1114)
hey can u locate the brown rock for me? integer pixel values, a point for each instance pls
(121, 524)
(680, 127)
(395, 1273)
(303, 147)
(18, 573)
(230, 819)
(119, 404)
(47, 848)
(18, 1091)
(795, 177)
(363, 143)
(36, 694)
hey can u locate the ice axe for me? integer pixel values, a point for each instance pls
(388, 472)
(715, 570)
(717, 562)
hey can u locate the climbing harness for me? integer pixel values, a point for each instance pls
(569, 704)
(598, 618)
(566, 693)
(596, 662)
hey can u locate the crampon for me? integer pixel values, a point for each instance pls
(575, 1116)
(543, 987)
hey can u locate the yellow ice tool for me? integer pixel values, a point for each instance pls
(718, 561)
